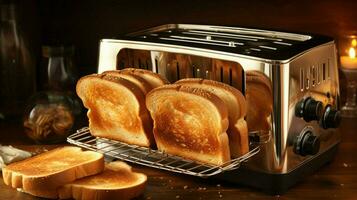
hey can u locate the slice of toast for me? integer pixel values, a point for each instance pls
(143, 84)
(190, 122)
(116, 109)
(117, 181)
(154, 79)
(52, 169)
(237, 108)
(258, 85)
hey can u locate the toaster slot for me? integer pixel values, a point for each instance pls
(134, 58)
(175, 66)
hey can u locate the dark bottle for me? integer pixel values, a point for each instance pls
(17, 65)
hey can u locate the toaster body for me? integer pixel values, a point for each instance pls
(302, 70)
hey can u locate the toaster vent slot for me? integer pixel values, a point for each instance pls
(328, 69)
(307, 78)
(313, 75)
(323, 71)
(302, 77)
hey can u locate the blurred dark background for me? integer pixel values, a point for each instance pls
(83, 23)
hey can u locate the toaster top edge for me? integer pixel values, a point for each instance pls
(266, 44)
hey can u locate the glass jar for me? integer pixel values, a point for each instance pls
(53, 114)
(50, 117)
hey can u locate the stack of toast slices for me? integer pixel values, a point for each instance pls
(198, 119)
(116, 104)
(68, 172)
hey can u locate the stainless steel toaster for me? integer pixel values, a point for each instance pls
(303, 72)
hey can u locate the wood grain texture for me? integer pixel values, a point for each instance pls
(337, 180)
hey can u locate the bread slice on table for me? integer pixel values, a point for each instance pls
(116, 109)
(190, 122)
(259, 96)
(154, 79)
(143, 84)
(41, 175)
(117, 181)
(237, 109)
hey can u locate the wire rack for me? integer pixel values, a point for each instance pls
(153, 158)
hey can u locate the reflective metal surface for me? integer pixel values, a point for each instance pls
(310, 72)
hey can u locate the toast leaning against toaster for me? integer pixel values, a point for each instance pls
(116, 104)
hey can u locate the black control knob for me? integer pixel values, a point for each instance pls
(331, 118)
(307, 144)
(309, 109)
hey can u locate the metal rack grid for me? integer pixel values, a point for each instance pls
(152, 158)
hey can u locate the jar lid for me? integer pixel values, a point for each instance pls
(56, 51)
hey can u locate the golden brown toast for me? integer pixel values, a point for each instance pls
(237, 108)
(190, 122)
(154, 79)
(143, 84)
(116, 109)
(52, 169)
(259, 96)
(117, 181)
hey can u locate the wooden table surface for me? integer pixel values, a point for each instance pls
(337, 180)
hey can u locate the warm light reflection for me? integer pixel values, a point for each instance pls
(352, 52)
(354, 42)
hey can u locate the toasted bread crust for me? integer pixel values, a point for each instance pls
(117, 181)
(116, 92)
(237, 131)
(143, 84)
(237, 94)
(154, 79)
(19, 175)
(190, 122)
